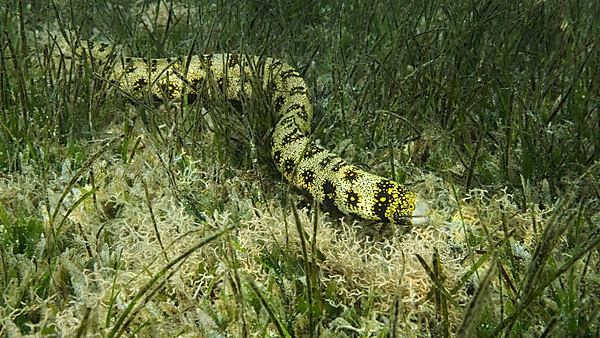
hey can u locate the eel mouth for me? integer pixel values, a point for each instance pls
(420, 214)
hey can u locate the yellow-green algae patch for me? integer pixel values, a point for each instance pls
(110, 248)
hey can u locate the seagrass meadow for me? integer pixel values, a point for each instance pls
(128, 216)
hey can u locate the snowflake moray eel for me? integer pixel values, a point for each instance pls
(324, 175)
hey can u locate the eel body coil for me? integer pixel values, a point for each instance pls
(324, 175)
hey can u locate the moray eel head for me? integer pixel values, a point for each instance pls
(420, 213)
(409, 211)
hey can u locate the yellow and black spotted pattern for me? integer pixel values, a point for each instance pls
(324, 175)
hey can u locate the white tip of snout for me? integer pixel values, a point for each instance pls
(421, 213)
